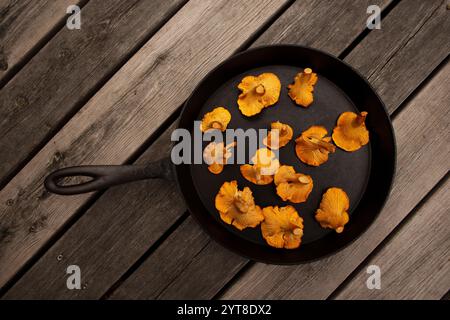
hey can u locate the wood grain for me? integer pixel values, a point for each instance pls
(110, 236)
(68, 70)
(423, 159)
(308, 23)
(412, 41)
(177, 270)
(122, 116)
(415, 263)
(24, 25)
(89, 251)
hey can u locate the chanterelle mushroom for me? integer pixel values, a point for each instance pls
(265, 164)
(282, 227)
(238, 207)
(351, 133)
(258, 93)
(218, 118)
(216, 155)
(312, 147)
(332, 212)
(293, 186)
(284, 132)
(301, 91)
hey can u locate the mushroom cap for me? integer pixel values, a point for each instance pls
(238, 207)
(250, 172)
(314, 153)
(254, 98)
(293, 186)
(282, 227)
(285, 134)
(265, 165)
(351, 133)
(301, 91)
(332, 212)
(218, 118)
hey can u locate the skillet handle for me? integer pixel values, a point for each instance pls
(106, 176)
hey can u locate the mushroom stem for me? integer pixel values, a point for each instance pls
(260, 89)
(240, 203)
(307, 71)
(304, 179)
(360, 118)
(322, 144)
(297, 231)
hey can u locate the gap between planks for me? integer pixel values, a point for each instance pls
(53, 95)
(10, 66)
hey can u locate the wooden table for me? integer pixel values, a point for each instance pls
(111, 92)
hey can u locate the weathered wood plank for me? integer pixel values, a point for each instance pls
(423, 159)
(308, 23)
(189, 279)
(89, 253)
(168, 272)
(122, 116)
(412, 41)
(68, 70)
(104, 242)
(414, 264)
(24, 25)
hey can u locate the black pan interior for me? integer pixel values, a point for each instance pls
(365, 175)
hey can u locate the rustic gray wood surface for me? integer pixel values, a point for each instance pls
(69, 70)
(25, 26)
(137, 241)
(408, 257)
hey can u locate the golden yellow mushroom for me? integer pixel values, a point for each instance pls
(282, 227)
(301, 91)
(351, 133)
(258, 93)
(238, 207)
(216, 155)
(218, 118)
(265, 165)
(332, 212)
(312, 146)
(284, 132)
(293, 186)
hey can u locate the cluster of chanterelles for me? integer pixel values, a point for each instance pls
(282, 227)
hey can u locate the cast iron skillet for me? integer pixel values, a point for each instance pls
(366, 175)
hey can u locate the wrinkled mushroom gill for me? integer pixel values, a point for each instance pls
(350, 133)
(258, 93)
(218, 118)
(313, 147)
(292, 186)
(237, 207)
(284, 132)
(332, 212)
(301, 91)
(282, 227)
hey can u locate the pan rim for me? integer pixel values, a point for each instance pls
(179, 176)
